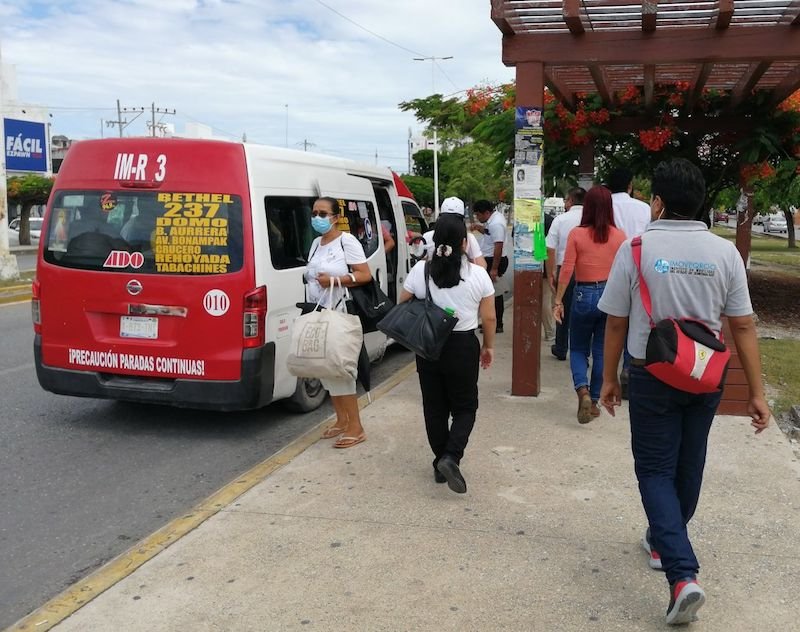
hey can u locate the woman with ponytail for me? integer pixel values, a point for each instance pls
(450, 384)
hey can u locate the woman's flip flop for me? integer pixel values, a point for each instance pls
(332, 432)
(349, 442)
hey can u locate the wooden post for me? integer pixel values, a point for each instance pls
(528, 284)
(744, 226)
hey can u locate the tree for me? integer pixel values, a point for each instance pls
(469, 174)
(27, 191)
(422, 188)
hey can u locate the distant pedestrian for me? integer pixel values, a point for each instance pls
(556, 247)
(450, 384)
(494, 248)
(452, 210)
(690, 273)
(631, 216)
(590, 252)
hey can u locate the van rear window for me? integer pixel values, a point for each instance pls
(157, 232)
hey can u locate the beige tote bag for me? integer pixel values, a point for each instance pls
(326, 343)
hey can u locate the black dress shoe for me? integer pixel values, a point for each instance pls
(556, 354)
(449, 469)
(438, 476)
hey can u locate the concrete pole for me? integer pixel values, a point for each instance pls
(8, 262)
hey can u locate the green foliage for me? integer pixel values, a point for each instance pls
(30, 189)
(469, 173)
(422, 188)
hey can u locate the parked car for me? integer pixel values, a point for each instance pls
(34, 224)
(775, 224)
(720, 216)
(758, 220)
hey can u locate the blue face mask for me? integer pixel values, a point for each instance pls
(321, 224)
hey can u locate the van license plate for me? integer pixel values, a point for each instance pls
(138, 327)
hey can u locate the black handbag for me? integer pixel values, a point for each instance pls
(419, 325)
(370, 304)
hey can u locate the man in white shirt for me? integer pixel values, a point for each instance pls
(493, 247)
(455, 206)
(631, 216)
(556, 247)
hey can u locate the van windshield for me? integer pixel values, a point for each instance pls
(158, 232)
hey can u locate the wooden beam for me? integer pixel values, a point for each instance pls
(794, 10)
(748, 81)
(724, 15)
(649, 86)
(694, 124)
(559, 89)
(787, 87)
(649, 11)
(701, 76)
(499, 17)
(599, 76)
(665, 46)
(572, 16)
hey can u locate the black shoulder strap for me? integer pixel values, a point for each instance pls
(427, 284)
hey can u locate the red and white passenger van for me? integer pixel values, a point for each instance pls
(170, 269)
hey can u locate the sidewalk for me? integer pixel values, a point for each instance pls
(546, 538)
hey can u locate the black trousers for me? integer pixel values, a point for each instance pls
(450, 387)
(562, 330)
(499, 301)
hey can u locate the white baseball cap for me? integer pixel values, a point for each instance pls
(453, 205)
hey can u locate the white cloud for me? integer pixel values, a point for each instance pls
(234, 64)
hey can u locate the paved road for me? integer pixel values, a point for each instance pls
(82, 480)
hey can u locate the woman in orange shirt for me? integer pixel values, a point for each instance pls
(591, 248)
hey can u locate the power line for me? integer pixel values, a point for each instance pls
(364, 28)
(446, 76)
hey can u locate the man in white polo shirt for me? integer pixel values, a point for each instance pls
(556, 247)
(631, 216)
(453, 206)
(494, 248)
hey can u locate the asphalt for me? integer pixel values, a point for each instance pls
(546, 538)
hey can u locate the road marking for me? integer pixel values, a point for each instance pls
(81, 593)
(16, 369)
(15, 300)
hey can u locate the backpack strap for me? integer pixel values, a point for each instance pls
(644, 291)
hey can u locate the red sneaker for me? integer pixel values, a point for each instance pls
(686, 598)
(655, 558)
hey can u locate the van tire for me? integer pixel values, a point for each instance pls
(308, 396)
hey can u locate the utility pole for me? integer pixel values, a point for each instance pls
(433, 61)
(376, 156)
(157, 125)
(8, 262)
(409, 150)
(121, 123)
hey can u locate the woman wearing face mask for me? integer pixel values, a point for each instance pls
(339, 257)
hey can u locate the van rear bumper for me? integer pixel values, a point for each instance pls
(253, 390)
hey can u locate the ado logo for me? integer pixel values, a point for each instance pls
(216, 302)
(123, 259)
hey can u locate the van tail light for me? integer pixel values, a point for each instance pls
(255, 315)
(36, 306)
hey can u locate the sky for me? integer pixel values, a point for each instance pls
(236, 64)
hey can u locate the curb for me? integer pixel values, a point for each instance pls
(85, 590)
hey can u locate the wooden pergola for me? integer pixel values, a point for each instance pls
(604, 46)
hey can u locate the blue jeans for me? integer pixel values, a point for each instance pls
(669, 435)
(587, 327)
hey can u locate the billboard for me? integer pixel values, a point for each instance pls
(25, 144)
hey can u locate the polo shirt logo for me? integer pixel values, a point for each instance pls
(662, 266)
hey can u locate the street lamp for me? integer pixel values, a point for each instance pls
(433, 61)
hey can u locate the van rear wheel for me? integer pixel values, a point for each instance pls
(308, 396)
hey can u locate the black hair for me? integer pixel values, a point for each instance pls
(333, 202)
(681, 187)
(620, 179)
(482, 206)
(450, 232)
(576, 194)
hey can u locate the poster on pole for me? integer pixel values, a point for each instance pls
(25, 146)
(527, 173)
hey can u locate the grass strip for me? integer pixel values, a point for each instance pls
(782, 371)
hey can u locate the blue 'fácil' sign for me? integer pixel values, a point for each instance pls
(25, 144)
